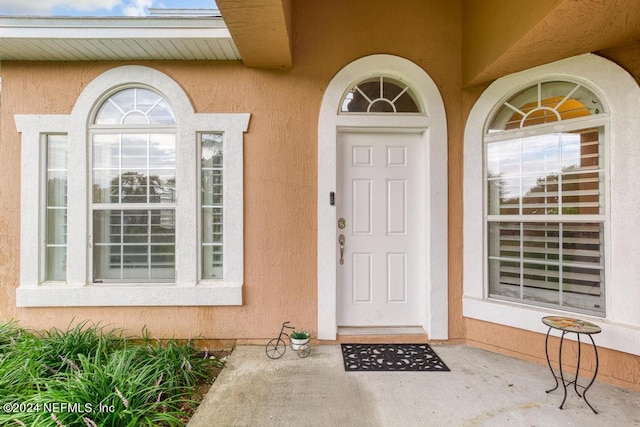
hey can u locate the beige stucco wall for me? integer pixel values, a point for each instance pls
(280, 158)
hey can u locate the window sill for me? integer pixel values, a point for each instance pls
(615, 336)
(100, 295)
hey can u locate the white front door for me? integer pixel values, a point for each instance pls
(381, 229)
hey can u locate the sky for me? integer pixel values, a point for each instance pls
(96, 7)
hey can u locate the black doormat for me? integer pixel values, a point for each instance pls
(391, 357)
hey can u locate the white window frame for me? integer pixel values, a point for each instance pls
(78, 290)
(619, 91)
(598, 121)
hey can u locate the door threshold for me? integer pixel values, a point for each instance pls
(381, 330)
(382, 334)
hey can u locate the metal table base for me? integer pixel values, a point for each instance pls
(579, 327)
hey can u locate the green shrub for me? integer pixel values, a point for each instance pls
(60, 350)
(98, 378)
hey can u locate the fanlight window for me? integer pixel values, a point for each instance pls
(135, 106)
(380, 95)
(546, 102)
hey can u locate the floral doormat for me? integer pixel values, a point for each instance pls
(391, 357)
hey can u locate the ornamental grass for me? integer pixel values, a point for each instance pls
(88, 376)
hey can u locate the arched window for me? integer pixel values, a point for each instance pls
(143, 184)
(133, 146)
(380, 95)
(545, 102)
(546, 197)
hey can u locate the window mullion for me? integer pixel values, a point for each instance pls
(186, 225)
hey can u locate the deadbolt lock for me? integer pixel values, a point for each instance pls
(342, 223)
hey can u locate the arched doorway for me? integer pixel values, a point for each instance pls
(382, 199)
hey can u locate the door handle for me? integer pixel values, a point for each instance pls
(341, 240)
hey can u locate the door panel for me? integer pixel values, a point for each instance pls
(361, 281)
(362, 212)
(397, 207)
(381, 197)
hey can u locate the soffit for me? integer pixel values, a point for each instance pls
(122, 38)
(548, 30)
(262, 30)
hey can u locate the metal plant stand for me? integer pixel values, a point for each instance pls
(579, 327)
(276, 347)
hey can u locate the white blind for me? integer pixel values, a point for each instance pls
(546, 219)
(561, 257)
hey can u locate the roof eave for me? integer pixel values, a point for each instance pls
(85, 38)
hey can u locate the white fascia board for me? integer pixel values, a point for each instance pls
(154, 11)
(113, 28)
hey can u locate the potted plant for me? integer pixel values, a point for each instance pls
(299, 338)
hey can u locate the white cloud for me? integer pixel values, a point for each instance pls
(47, 6)
(136, 7)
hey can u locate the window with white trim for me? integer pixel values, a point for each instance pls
(618, 155)
(135, 203)
(133, 151)
(211, 204)
(55, 250)
(545, 199)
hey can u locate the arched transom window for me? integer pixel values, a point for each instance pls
(135, 106)
(545, 102)
(380, 95)
(546, 197)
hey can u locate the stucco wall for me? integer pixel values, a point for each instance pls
(280, 158)
(503, 36)
(482, 45)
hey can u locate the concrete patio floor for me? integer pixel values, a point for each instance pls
(482, 389)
